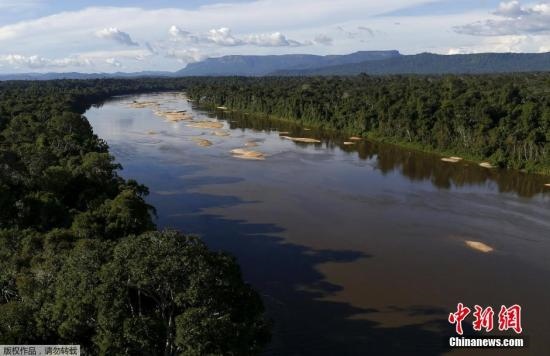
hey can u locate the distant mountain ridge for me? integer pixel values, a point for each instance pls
(429, 63)
(264, 65)
(76, 75)
(368, 62)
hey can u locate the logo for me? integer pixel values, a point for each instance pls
(509, 318)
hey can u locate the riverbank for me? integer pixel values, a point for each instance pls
(373, 137)
(502, 119)
(339, 239)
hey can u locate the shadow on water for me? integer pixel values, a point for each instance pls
(286, 275)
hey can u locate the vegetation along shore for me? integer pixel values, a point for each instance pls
(501, 119)
(81, 258)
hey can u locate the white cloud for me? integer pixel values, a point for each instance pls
(223, 37)
(511, 9)
(113, 62)
(275, 39)
(454, 51)
(178, 34)
(37, 62)
(186, 56)
(256, 27)
(113, 33)
(512, 19)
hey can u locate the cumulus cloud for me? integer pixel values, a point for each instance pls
(224, 37)
(185, 55)
(181, 35)
(113, 33)
(275, 39)
(512, 19)
(510, 9)
(507, 44)
(38, 62)
(113, 62)
(65, 33)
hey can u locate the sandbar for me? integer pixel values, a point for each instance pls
(206, 125)
(221, 133)
(246, 154)
(451, 159)
(301, 139)
(202, 142)
(486, 165)
(479, 246)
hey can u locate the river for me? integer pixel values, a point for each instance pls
(355, 248)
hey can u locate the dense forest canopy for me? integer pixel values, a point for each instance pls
(501, 118)
(80, 260)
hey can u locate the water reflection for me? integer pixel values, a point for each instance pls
(415, 165)
(351, 246)
(286, 273)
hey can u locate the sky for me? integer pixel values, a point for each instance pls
(166, 35)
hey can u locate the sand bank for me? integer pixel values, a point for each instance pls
(486, 165)
(479, 246)
(206, 125)
(221, 133)
(143, 104)
(451, 159)
(246, 154)
(202, 142)
(301, 139)
(174, 116)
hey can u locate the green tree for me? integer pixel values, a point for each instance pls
(164, 293)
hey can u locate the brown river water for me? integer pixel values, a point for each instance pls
(356, 249)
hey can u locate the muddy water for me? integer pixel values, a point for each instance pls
(356, 249)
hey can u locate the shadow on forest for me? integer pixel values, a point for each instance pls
(286, 274)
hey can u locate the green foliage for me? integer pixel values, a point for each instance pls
(169, 285)
(501, 118)
(79, 262)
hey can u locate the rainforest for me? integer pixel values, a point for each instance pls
(501, 118)
(81, 257)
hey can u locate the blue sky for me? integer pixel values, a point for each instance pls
(130, 35)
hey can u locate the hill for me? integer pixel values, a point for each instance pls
(429, 63)
(264, 65)
(76, 75)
